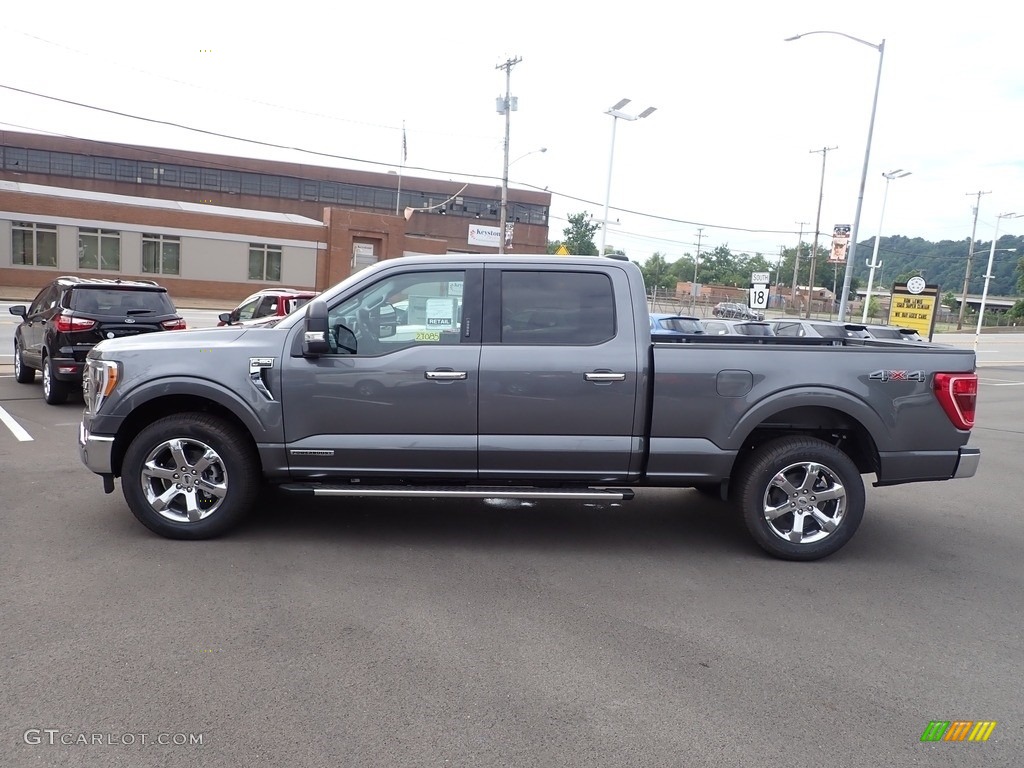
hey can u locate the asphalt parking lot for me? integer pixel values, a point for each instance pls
(372, 632)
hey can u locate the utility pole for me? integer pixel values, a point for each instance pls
(970, 257)
(817, 227)
(696, 263)
(778, 267)
(506, 106)
(796, 263)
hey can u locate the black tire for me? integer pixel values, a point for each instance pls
(54, 392)
(817, 485)
(221, 481)
(23, 374)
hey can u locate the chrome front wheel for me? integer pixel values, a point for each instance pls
(184, 480)
(190, 476)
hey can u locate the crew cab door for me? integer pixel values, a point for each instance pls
(396, 397)
(558, 374)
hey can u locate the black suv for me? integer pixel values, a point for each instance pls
(73, 314)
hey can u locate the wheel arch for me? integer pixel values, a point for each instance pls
(849, 424)
(149, 411)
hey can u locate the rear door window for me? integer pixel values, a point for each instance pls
(565, 308)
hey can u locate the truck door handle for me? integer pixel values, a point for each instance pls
(444, 375)
(603, 377)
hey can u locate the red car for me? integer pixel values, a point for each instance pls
(265, 304)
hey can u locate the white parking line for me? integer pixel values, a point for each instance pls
(16, 429)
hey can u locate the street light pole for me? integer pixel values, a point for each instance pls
(616, 113)
(848, 274)
(988, 272)
(874, 263)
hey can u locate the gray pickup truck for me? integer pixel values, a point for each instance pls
(518, 377)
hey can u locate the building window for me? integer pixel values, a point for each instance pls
(16, 159)
(250, 184)
(127, 170)
(60, 163)
(289, 188)
(38, 161)
(264, 262)
(270, 186)
(161, 254)
(99, 249)
(33, 245)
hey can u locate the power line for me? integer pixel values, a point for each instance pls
(350, 159)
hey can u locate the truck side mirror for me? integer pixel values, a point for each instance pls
(314, 339)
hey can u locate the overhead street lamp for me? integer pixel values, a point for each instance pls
(874, 263)
(617, 114)
(988, 271)
(848, 274)
(527, 154)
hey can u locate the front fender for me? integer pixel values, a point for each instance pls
(261, 417)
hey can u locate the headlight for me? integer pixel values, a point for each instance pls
(101, 379)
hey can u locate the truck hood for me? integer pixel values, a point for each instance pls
(168, 341)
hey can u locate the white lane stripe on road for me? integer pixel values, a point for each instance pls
(16, 429)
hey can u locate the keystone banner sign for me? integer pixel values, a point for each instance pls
(481, 235)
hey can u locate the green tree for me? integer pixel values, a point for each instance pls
(579, 235)
(873, 307)
(658, 273)
(950, 300)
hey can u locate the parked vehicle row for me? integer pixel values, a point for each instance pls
(666, 327)
(70, 315)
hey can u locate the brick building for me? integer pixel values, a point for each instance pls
(218, 226)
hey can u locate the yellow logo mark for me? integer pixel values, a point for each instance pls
(982, 730)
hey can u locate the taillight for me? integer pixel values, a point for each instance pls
(178, 324)
(68, 323)
(958, 396)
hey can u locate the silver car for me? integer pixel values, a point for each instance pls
(825, 329)
(718, 327)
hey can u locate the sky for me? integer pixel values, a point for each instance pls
(728, 158)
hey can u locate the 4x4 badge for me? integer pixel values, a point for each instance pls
(897, 376)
